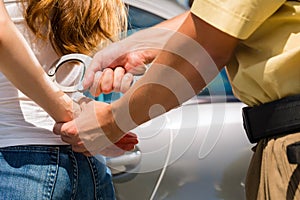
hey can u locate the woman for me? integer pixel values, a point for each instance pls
(34, 163)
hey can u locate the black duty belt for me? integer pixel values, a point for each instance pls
(274, 119)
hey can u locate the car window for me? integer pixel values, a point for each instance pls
(218, 86)
(165, 9)
(139, 19)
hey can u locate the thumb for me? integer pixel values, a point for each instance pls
(68, 128)
(89, 75)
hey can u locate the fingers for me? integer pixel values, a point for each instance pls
(107, 81)
(68, 128)
(90, 75)
(88, 79)
(97, 65)
(102, 83)
(80, 148)
(70, 135)
(126, 82)
(127, 142)
(111, 81)
(128, 138)
(102, 59)
(126, 147)
(85, 136)
(114, 70)
(112, 152)
(68, 132)
(95, 89)
(118, 76)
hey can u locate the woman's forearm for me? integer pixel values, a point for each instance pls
(20, 66)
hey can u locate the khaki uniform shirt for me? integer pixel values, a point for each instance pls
(266, 64)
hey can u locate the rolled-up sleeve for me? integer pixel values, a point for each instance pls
(238, 18)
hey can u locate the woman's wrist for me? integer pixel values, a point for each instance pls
(72, 108)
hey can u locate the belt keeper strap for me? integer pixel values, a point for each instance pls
(272, 119)
(293, 153)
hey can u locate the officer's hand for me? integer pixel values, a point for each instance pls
(93, 130)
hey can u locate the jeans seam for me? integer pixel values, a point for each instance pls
(95, 176)
(75, 174)
(52, 174)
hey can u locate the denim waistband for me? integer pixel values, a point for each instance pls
(39, 148)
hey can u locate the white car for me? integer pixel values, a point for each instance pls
(196, 151)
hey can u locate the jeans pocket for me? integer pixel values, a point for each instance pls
(28, 172)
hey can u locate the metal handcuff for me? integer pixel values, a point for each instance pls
(83, 59)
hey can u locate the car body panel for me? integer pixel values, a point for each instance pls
(209, 154)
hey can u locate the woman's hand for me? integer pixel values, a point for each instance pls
(94, 131)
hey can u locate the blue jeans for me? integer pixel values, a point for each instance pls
(52, 172)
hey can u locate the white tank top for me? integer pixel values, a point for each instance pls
(22, 122)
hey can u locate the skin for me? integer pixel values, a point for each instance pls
(105, 75)
(113, 119)
(30, 78)
(14, 51)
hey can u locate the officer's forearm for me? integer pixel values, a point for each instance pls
(162, 89)
(187, 63)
